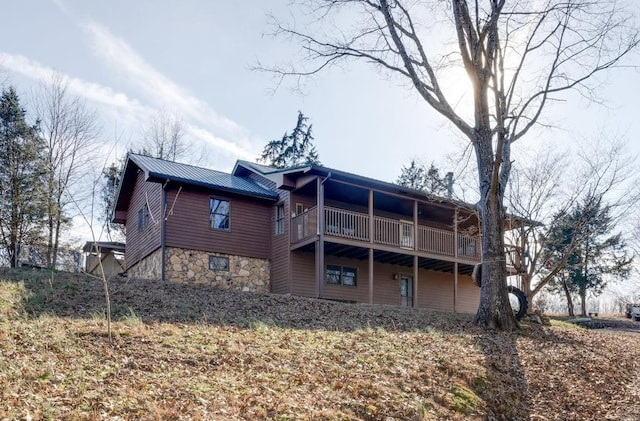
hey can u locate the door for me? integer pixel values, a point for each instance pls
(406, 234)
(406, 291)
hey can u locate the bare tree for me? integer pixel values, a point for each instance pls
(541, 193)
(519, 57)
(164, 137)
(69, 129)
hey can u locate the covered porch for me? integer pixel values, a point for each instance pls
(378, 226)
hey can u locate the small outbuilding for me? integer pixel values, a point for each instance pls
(110, 253)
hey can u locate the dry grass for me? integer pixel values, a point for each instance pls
(192, 352)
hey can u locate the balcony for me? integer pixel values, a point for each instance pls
(397, 233)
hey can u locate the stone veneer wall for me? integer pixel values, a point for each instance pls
(192, 266)
(148, 267)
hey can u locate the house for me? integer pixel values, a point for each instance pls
(309, 231)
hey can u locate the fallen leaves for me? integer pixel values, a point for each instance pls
(192, 352)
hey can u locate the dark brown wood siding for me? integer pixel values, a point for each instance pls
(141, 243)
(280, 277)
(468, 295)
(435, 290)
(280, 259)
(307, 202)
(303, 277)
(188, 225)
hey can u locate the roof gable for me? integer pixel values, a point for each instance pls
(160, 171)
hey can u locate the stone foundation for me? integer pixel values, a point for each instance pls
(147, 268)
(192, 266)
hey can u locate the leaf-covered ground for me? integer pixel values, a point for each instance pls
(193, 352)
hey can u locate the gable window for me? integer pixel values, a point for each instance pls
(219, 263)
(341, 275)
(143, 217)
(280, 219)
(219, 214)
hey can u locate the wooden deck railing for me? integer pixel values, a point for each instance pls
(346, 224)
(391, 232)
(304, 225)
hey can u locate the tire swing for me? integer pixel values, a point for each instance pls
(515, 294)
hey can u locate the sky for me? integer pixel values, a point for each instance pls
(128, 59)
(195, 58)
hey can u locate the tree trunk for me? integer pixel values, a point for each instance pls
(569, 299)
(583, 301)
(495, 310)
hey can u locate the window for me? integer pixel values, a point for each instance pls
(219, 214)
(299, 208)
(349, 276)
(341, 275)
(218, 263)
(143, 217)
(333, 274)
(280, 219)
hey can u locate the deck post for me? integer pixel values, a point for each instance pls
(455, 262)
(371, 236)
(371, 224)
(415, 225)
(320, 242)
(415, 280)
(370, 275)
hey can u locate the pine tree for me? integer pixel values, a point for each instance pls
(293, 149)
(416, 176)
(22, 176)
(111, 179)
(597, 254)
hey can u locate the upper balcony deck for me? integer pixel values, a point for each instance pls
(403, 235)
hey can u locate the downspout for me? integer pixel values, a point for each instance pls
(163, 230)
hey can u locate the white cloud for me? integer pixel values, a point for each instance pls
(129, 112)
(91, 91)
(121, 57)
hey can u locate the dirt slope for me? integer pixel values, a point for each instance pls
(193, 352)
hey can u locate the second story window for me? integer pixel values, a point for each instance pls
(279, 219)
(219, 214)
(143, 217)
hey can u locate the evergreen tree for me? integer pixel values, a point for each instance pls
(293, 149)
(416, 176)
(596, 255)
(22, 177)
(112, 176)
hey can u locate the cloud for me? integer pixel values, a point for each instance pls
(121, 57)
(129, 112)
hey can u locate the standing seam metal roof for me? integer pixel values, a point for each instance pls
(204, 177)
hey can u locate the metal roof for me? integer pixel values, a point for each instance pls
(160, 170)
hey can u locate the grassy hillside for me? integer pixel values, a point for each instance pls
(193, 352)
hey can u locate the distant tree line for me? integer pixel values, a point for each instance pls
(43, 157)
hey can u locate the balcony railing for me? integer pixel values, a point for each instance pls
(304, 225)
(390, 232)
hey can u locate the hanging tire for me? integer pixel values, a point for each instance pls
(518, 301)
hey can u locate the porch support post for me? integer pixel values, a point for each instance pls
(455, 287)
(415, 280)
(455, 262)
(415, 225)
(371, 236)
(320, 242)
(371, 224)
(370, 275)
